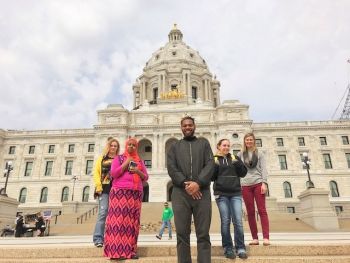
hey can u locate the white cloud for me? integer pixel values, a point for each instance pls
(63, 60)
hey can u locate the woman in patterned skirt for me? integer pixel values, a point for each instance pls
(123, 220)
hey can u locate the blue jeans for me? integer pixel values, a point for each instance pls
(165, 224)
(230, 208)
(99, 232)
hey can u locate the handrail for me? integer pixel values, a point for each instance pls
(86, 214)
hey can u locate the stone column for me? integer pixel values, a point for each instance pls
(315, 209)
(164, 89)
(155, 165)
(209, 90)
(8, 210)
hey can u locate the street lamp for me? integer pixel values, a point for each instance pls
(306, 164)
(7, 171)
(74, 178)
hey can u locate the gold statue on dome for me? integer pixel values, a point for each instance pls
(172, 94)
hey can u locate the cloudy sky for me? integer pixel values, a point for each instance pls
(60, 61)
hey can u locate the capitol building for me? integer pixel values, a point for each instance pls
(54, 167)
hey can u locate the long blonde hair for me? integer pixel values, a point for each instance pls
(108, 146)
(249, 134)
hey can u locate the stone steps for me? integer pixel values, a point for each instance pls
(271, 254)
(214, 259)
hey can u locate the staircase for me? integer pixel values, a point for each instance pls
(160, 254)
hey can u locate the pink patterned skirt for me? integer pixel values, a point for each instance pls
(122, 223)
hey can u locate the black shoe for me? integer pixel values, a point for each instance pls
(159, 237)
(242, 255)
(134, 257)
(230, 254)
(98, 245)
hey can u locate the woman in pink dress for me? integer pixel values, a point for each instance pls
(123, 220)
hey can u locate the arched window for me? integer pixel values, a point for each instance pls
(22, 195)
(86, 194)
(287, 190)
(267, 190)
(333, 186)
(43, 195)
(65, 194)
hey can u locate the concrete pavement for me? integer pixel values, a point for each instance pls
(334, 238)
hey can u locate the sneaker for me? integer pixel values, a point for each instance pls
(98, 245)
(230, 254)
(159, 237)
(242, 255)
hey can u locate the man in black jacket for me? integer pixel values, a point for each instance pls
(190, 165)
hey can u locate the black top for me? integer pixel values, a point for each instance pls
(228, 171)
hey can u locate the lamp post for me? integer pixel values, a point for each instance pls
(74, 178)
(7, 171)
(306, 164)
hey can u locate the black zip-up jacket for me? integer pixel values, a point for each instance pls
(228, 171)
(191, 159)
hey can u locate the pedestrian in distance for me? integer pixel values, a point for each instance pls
(166, 221)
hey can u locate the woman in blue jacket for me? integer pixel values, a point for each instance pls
(228, 195)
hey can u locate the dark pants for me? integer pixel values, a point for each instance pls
(184, 207)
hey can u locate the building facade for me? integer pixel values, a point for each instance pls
(54, 166)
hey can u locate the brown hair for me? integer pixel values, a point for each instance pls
(108, 146)
(249, 134)
(220, 142)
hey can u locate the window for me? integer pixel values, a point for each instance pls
(279, 141)
(323, 140)
(173, 87)
(91, 147)
(51, 148)
(148, 149)
(333, 187)
(258, 142)
(345, 140)
(287, 190)
(86, 194)
(89, 166)
(12, 149)
(338, 209)
(29, 168)
(327, 161)
(43, 195)
(69, 168)
(283, 162)
(302, 161)
(301, 141)
(65, 194)
(48, 168)
(22, 195)
(148, 163)
(291, 209)
(267, 190)
(235, 151)
(347, 155)
(71, 148)
(155, 94)
(194, 93)
(31, 149)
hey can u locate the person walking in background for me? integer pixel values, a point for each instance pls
(102, 180)
(125, 199)
(228, 195)
(40, 225)
(254, 187)
(190, 165)
(166, 221)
